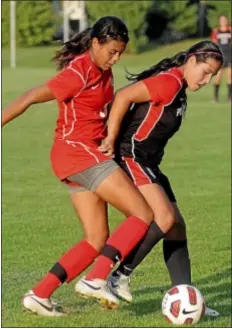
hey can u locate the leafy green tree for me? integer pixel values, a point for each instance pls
(133, 13)
(5, 22)
(182, 17)
(34, 23)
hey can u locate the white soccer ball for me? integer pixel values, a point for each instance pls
(183, 304)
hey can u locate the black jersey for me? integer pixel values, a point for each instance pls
(223, 39)
(147, 127)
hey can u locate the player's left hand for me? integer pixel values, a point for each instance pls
(107, 147)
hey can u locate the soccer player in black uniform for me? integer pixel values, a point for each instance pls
(143, 117)
(222, 36)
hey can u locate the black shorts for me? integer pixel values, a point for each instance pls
(142, 175)
(226, 59)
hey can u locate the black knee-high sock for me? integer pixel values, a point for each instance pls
(153, 236)
(216, 92)
(229, 91)
(177, 260)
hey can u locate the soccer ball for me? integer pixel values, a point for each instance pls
(183, 304)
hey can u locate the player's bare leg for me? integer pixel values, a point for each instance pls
(118, 190)
(92, 212)
(228, 79)
(176, 258)
(164, 216)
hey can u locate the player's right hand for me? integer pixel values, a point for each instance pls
(107, 147)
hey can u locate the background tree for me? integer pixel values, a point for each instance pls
(218, 8)
(191, 17)
(34, 22)
(133, 13)
(180, 16)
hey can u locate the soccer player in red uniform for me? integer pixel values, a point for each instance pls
(143, 117)
(83, 88)
(222, 36)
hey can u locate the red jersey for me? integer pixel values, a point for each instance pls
(223, 38)
(83, 92)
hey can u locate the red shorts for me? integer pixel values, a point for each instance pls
(69, 158)
(138, 173)
(142, 175)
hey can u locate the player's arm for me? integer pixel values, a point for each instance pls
(65, 85)
(214, 35)
(158, 89)
(134, 93)
(35, 95)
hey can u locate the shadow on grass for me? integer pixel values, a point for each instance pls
(216, 293)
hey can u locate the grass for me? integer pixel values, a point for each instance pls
(39, 224)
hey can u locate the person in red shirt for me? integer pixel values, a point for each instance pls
(83, 89)
(222, 36)
(143, 117)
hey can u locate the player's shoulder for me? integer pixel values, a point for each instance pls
(169, 81)
(173, 75)
(165, 85)
(80, 65)
(79, 59)
(216, 30)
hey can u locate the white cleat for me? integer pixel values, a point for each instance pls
(211, 312)
(120, 286)
(97, 288)
(41, 306)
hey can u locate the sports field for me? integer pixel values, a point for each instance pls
(39, 223)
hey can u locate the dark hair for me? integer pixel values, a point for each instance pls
(105, 29)
(202, 50)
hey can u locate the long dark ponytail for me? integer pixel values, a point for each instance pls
(105, 29)
(202, 50)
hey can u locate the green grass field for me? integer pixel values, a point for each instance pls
(39, 223)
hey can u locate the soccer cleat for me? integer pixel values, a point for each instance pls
(97, 288)
(41, 306)
(211, 312)
(120, 286)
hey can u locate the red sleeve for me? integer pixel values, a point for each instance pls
(214, 35)
(163, 87)
(68, 82)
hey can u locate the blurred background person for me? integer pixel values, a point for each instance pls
(222, 36)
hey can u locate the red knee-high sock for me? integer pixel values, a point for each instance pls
(123, 239)
(76, 260)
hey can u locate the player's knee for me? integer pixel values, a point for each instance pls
(145, 213)
(170, 220)
(166, 221)
(98, 239)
